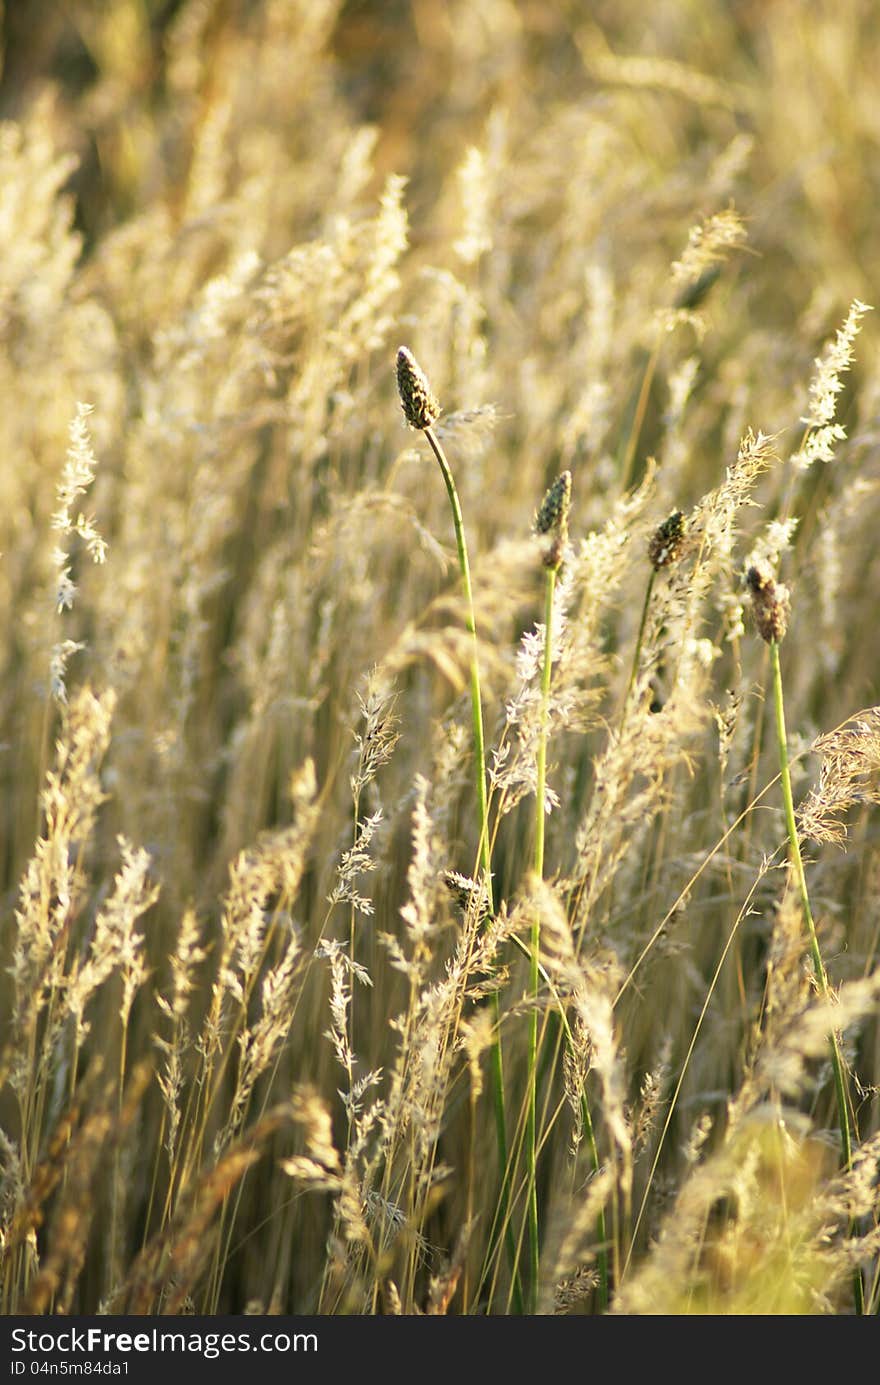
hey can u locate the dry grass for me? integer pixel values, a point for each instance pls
(254, 982)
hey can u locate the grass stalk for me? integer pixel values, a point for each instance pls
(797, 866)
(637, 652)
(532, 1079)
(502, 1221)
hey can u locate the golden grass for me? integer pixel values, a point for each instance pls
(255, 983)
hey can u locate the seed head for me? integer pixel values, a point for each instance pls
(770, 601)
(420, 407)
(466, 893)
(667, 541)
(552, 518)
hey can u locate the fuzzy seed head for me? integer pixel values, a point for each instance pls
(770, 602)
(667, 541)
(420, 406)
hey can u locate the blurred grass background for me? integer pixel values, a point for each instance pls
(220, 219)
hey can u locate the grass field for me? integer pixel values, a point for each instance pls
(439, 789)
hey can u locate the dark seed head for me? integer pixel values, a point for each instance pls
(770, 602)
(420, 407)
(667, 541)
(466, 893)
(552, 519)
(555, 506)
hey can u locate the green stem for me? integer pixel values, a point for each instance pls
(476, 699)
(503, 1219)
(818, 965)
(586, 1119)
(633, 674)
(549, 590)
(637, 652)
(535, 970)
(531, 1119)
(601, 1233)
